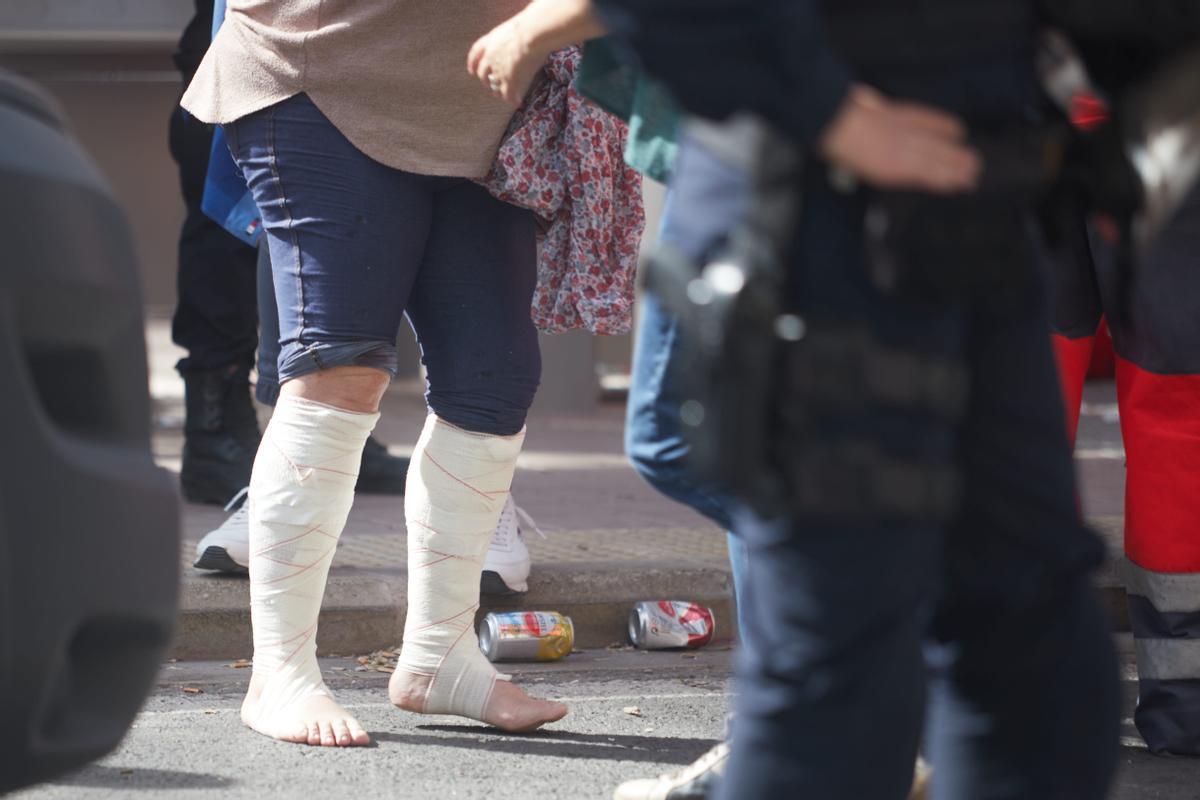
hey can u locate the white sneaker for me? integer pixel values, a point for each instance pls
(697, 780)
(506, 565)
(693, 782)
(227, 548)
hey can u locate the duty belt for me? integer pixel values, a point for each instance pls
(844, 366)
(854, 481)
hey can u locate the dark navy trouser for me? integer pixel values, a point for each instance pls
(355, 246)
(215, 318)
(987, 628)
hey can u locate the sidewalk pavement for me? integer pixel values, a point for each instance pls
(610, 540)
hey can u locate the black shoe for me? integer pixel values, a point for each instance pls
(220, 435)
(381, 472)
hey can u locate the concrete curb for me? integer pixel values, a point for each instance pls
(364, 609)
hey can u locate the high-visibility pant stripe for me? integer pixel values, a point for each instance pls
(1167, 593)
(1164, 610)
(1168, 659)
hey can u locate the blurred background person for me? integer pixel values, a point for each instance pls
(1155, 328)
(216, 317)
(861, 586)
(654, 433)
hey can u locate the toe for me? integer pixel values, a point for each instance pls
(327, 737)
(341, 730)
(298, 735)
(314, 733)
(357, 735)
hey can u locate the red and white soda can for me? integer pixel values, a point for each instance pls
(663, 624)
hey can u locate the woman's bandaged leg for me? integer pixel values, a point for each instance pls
(457, 485)
(301, 491)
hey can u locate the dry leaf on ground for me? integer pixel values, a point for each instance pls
(379, 661)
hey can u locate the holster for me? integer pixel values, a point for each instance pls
(760, 379)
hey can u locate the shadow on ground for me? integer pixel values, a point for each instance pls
(100, 776)
(560, 744)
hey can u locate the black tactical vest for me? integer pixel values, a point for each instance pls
(974, 57)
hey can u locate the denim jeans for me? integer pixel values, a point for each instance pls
(266, 386)
(654, 435)
(355, 246)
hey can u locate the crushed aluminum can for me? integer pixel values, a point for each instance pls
(663, 624)
(526, 636)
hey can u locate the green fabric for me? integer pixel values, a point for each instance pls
(611, 82)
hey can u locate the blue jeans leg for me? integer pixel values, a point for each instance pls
(654, 437)
(737, 566)
(266, 388)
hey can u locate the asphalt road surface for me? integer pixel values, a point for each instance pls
(190, 744)
(194, 745)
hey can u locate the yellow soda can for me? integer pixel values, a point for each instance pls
(526, 636)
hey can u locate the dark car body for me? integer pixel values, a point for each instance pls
(89, 562)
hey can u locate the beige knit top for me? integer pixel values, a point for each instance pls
(390, 74)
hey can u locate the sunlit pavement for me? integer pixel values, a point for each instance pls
(632, 714)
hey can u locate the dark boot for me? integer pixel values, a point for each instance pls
(220, 434)
(380, 471)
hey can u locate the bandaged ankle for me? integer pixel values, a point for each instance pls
(301, 491)
(457, 485)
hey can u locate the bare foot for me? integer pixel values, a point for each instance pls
(316, 719)
(509, 708)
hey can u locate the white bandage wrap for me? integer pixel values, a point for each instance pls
(457, 485)
(301, 491)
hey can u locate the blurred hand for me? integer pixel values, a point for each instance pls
(505, 61)
(900, 145)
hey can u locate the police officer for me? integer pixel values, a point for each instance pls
(929, 563)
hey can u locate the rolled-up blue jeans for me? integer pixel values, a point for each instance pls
(266, 385)
(355, 246)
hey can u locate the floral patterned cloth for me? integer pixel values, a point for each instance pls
(562, 158)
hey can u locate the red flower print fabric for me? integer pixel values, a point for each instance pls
(562, 159)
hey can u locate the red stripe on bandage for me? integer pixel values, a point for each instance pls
(448, 620)
(303, 570)
(314, 529)
(479, 492)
